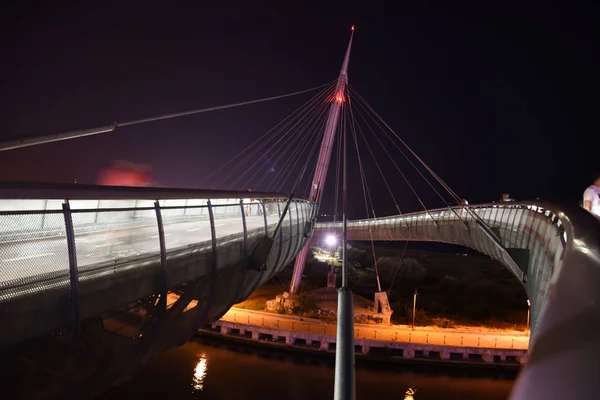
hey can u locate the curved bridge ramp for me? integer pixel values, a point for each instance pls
(554, 251)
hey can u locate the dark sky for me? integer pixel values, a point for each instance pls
(495, 96)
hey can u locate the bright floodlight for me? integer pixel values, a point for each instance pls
(331, 240)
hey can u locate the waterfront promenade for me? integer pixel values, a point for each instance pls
(392, 333)
(426, 344)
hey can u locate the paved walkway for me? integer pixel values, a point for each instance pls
(428, 335)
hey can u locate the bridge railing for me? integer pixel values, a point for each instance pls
(37, 252)
(528, 238)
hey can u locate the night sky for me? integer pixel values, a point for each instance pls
(494, 98)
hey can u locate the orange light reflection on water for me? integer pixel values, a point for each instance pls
(200, 372)
(409, 394)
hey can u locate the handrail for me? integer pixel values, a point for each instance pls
(563, 356)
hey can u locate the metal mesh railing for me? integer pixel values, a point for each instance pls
(23, 262)
(130, 236)
(34, 252)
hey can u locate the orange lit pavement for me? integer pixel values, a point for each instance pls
(425, 335)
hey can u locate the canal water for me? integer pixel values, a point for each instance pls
(221, 371)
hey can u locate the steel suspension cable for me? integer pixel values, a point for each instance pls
(283, 124)
(290, 131)
(365, 188)
(375, 159)
(231, 105)
(410, 161)
(315, 138)
(397, 267)
(289, 143)
(292, 161)
(403, 176)
(310, 126)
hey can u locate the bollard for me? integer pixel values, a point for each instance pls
(262, 323)
(375, 334)
(427, 339)
(444, 339)
(461, 340)
(357, 332)
(248, 319)
(409, 336)
(478, 341)
(495, 342)
(234, 317)
(512, 344)
(396, 338)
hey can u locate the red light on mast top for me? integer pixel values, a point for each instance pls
(352, 29)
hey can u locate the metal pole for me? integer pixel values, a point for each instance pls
(163, 248)
(25, 142)
(414, 308)
(73, 270)
(344, 388)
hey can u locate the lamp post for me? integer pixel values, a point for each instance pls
(414, 308)
(330, 242)
(528, 311)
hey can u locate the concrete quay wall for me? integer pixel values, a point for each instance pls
(392, 349)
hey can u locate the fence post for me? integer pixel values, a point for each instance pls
(265, 217)
(245, 228)
(73, 272)
(163, 248)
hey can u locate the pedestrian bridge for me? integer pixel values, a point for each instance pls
(553, 250)
(72, 252)
(69, 253)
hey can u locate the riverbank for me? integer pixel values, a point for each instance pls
(307, 354)
(391, 344)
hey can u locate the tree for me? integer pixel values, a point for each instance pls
(408, 269)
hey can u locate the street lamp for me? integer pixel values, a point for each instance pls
(330, 240)
(528, 310)
(414, 308)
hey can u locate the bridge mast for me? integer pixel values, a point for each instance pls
(318, 182)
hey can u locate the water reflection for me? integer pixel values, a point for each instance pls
(200, 372)
(409, 394)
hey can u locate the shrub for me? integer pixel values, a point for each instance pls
(442, 322)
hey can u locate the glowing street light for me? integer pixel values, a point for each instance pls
(330, 240)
